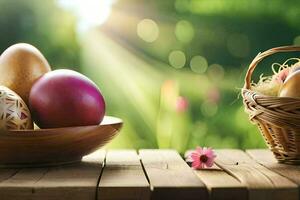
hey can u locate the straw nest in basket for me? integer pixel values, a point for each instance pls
(273, 103)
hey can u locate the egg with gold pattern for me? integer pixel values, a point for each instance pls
(14, 113)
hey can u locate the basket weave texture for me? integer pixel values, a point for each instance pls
(278, 118)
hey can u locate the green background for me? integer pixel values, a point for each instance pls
(172, 70)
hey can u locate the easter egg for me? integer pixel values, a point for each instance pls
(64, 98)
(20, 66)
(296, 67)
(290, 87)
(14, 113)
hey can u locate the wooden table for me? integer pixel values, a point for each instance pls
(155, 174)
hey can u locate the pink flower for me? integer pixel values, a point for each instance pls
(201, 158)
(182, 104)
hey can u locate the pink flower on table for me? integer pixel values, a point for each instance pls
(202, 158)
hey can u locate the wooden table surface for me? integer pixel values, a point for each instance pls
(155, 174)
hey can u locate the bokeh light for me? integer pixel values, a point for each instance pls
(238, 45)
(184, 31)
(198, 64)
(216, 72)
(177, 59)
(89, 13)
(148, 30)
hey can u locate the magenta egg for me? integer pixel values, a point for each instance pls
(64, 98)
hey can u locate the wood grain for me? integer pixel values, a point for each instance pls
(165, 176)
(261, 182)
(77, 181)
(123, 177)
(170, 177)
(7, 173)
(267, 159)
(221, 185)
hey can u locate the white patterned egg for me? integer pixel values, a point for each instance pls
(14, 113)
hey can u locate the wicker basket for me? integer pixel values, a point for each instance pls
(278, 118)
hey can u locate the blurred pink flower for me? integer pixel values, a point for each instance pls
(201, 158)
(213, 95)
(182, 104)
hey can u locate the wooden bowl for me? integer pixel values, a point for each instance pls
(44, 147)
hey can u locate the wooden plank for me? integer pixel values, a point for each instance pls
(221, 185)
(76, 181)
(123, 177)
(267, 159)
(7, 173)
(170, 177)
(261, 182)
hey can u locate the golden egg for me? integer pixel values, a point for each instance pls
(20, 66)
(14, 113)
(291, 86)
(296, 67)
